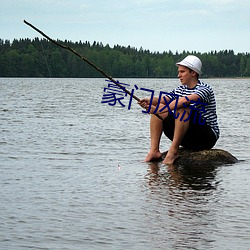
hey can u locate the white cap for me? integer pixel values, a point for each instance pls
(191, 62)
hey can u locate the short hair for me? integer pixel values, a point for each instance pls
(190, 70)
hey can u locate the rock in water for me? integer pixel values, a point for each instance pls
(204, 157)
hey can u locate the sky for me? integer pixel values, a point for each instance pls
(155, 25)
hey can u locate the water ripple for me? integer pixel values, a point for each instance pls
(72, 175)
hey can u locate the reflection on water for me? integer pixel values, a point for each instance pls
(189, 177)
(62, 187)
(184, 194)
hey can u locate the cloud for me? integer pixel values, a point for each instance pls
(222, 2)
(148, 2)
(152, 24)
(84, 6)
(225, 5)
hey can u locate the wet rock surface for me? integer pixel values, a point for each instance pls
(204, 157)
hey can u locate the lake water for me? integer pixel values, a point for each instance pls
(72, 174)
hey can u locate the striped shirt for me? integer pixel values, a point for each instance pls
(208, 104)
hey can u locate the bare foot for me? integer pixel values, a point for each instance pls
(170, 157)
(153, 156)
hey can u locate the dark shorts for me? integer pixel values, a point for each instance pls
(198, 137)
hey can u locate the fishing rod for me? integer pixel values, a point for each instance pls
(86, 60)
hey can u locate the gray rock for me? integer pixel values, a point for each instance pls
(213, 157)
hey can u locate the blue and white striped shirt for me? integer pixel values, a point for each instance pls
(206, 94)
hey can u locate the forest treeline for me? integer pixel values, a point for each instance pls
(41, 58)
